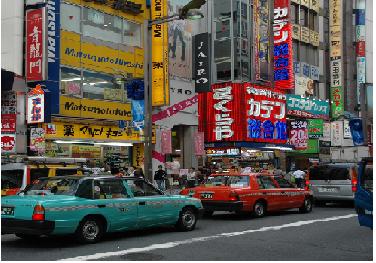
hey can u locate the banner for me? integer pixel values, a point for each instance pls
(346, 129)
(315, 128)
(138, 155)
(306, 107)
(356, 128)
(202, 63)
(304, 34)
(337, 133)
(337, 98)
(159, 56)
(95, 109)
(35, 106)
(303, 85)
(86, 151)
(37, 140)
(326, 132)
(199, 143)
(312, 147)
(138, 111)
(298, 134)
(8, 122)
(283, 64)
(35, 65)
(8, 143)
(166, 144)
(172, 110)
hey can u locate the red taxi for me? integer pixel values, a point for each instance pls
(257, 193)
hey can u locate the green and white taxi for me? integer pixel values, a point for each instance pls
(90, 206)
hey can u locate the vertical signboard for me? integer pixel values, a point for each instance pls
(336, 132)
(202, 63)
(159, 55)
(166, 144)
(8, 122)
(298, 134)
(37, 140)
(34, 45)
(283, 64)
(360, 35)
(199, 143)
(8, 143)
(335, 51)
(35, 106)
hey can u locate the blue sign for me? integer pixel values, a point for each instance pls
(315, 73)
(138, 109)
(297, 68)
(356, 128)
(306, 69)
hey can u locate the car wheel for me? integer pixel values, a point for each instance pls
(307, 206)
(187, 219)
(26, 236)
(259, 209)
(208, 213)
(90, 230)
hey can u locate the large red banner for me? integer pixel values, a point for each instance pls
(283, 64)
(243, 112)
(8, 122)
(34, 45)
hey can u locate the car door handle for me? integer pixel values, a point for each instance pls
(101, 206)
(142, 203)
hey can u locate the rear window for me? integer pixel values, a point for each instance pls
(367, 179)
(62, 172)
(52, 186)
(329, 172)
(38, 173)
(11, 179)
(232, 181)
(282, 182)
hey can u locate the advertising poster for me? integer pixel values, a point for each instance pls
(166, 142)
(199, 143)
(315, 128)
(346, 129)
(306, 107)
(37, 140)
(283, 63)
(138, 111)
(298, 134)
(326, 132)
(336, 133)
(34, 45)
(356, 128)
(35, 106)
(8, 143)
(8, 122)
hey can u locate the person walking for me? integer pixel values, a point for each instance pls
(191, 177)
(160, 177)
(299, 176)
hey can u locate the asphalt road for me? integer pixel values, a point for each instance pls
(327, 233)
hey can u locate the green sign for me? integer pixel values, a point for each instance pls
(313, 147)
(315, 128)
(337, 102)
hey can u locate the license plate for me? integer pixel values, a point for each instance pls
(8, 211)
(327, 190)
(206, 196)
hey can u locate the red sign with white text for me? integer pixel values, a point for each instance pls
(34, 45)
(166, 144)
(8, 143)
(8, 122)
(243, 112)
(283, 64)
(298, 137)
(199, 143)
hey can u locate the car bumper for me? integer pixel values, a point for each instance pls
(222, 205)
(12, 226)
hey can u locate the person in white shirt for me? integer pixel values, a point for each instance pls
(299, 178)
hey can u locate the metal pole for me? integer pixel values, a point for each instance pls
(148, 103)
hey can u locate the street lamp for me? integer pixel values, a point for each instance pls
(189, 11)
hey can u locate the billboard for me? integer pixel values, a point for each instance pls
(306, 107)
(202, 62)
(35, 106)
(298, 134)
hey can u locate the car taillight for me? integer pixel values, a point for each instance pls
(38, 214)
(234, 196)
(354, 182)
(306, 184)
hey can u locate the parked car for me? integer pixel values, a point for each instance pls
(364, 193)
(245, 193)
(91, 206)
(332, 182)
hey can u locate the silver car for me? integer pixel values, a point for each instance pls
(333, 182)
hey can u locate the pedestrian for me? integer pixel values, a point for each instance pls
(299, 176)
(160, 177)
(191, 177)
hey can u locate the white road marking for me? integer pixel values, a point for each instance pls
(201, 239)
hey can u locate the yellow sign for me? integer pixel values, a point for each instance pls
(138, 155)
(99, 58)
(304, 36)
(296, 32)
(95, 109)
(86, 151)
(91, 132)
(335, 42)
(159, 68)
(108, 8)
(314, 5)
(314, 38)
(335, 13)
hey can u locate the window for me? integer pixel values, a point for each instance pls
(109, 189)
(62, 172)
(265, 182)
(37, 173)
(85, 189)
(313, 21)
(295, 50)
(303, 18)
(11, 179)
(340, 173)
(52, 186)
(367, 178)
(282, 182)
(222, 9)
(142, 188)
(294, 13)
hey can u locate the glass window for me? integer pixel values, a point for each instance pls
(222, 9)
(70, 82)
(142, 188)
(223, 71)
(303, 18)
(62, 172)
(295, 50)
(37, 173)
(109, 189)
(294, 13)
(303, 57)
(265, 182)
(222, 29)
(55, 186)
(232, 181)
(340, 174)
(11, 179)
(282, 182)
(70, 16)
(85, 189)
(132, 34)
(367, 178)
(101, 86)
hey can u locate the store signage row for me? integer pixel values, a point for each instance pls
(306, 107)
(8, 122)
(223, 152)
(202, 62)
(35, 66)
(243, 112)
(303, 69)
(61, 130)
(94, 109)
(283, 65)
(159, 55)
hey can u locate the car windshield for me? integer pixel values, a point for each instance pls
(52, 186)
(232, 180)
(367, 178)
(11, 179)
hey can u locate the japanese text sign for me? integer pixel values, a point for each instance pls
(8, 122)
(337, 101)
(315, 128)
(283, 64)
(307, 108)
(34, 45)
(8, 143)
(298, 134)
(37, 140)
(166, 144)
(35, 105)
(336, 132)
(202, 63)
(199, 143)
